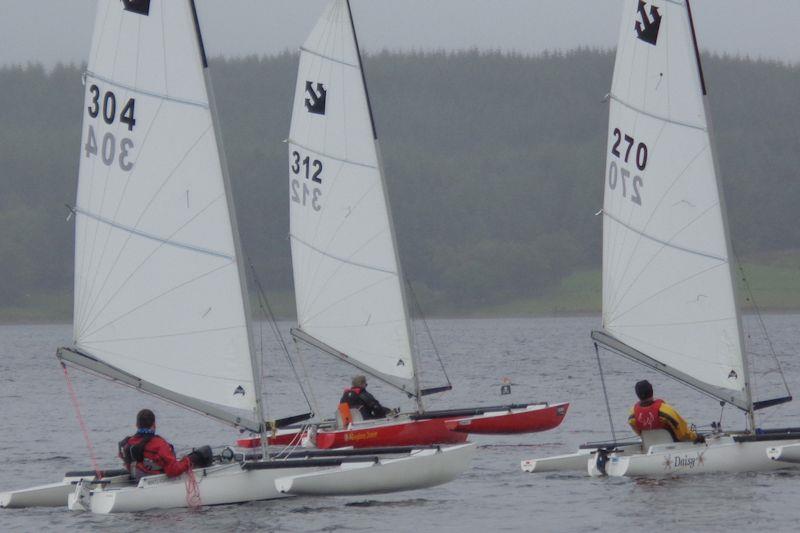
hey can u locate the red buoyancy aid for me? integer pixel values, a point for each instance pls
(647, 417)
(354, 390)
(157, 457)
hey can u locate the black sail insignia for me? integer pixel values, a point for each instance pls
(141, 7)
(647, 28)
(315, 98)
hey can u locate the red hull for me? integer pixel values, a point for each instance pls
(512, 422)
(441, 430)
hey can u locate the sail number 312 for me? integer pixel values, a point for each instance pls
(311, 170)
(620, 175)
(107, 149)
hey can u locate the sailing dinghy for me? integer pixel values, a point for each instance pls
(349, 285)
(160, 296)
(669, 297)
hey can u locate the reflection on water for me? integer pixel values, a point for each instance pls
(546, 358)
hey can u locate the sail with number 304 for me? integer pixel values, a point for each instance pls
(158, 287)
(349, 287)
(668, 290)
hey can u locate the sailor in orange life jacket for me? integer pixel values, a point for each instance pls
(145, 453)
(357, 397)
(650, 413)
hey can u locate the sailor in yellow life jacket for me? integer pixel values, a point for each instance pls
(650, 414)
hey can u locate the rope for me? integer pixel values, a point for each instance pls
(81, 422)
(192, 490)
(264, 304)
(605, 393)
(427, 330)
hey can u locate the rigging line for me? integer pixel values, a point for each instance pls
(146, 259)
(761, 320)
(85, 312)
(302, 359)
(152, 199)
(341, 259)
(665, 245)
(605, 393)
(84, 429)
(265, 306)
(147, 302)
(653, 295)
(652, 216)
(348, 296)
(427, 330)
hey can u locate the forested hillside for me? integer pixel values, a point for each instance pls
(494, 164)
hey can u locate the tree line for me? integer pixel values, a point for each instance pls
(494, 161)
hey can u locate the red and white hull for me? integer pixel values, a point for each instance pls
(436, 427)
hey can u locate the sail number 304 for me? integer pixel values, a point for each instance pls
(620, 175)
(306, 193)
(107, 148)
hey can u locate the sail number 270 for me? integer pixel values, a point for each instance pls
(620, 174)
(311, 169)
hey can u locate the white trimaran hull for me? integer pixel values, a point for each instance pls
(242, 482)
(722, 454)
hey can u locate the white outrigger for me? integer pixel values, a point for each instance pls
(161, 302)
(669, 295)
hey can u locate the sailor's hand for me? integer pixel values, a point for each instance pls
(394, 413)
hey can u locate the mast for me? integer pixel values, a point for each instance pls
(254, 359)
(726, 226)
(400, 276)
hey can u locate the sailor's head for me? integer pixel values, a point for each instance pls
(644, 390)
(145, 419)
(359, 381)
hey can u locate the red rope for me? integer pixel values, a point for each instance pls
(82, 423)
(192, 490)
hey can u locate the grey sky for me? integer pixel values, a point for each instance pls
(49, 31)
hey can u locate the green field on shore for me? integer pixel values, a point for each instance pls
(774, 282)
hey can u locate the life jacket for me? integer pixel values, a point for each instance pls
(133, 455)
(648, 417)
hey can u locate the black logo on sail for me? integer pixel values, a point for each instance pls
(647, 28)
(239, 390)
(315, 99)
(141, 7)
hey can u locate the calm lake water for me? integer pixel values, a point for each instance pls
(548, 359)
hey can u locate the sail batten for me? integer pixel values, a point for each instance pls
(668, 289)
(348, 280)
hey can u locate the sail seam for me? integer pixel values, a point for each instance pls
(154, 94)
(329, 58)
(655, 116)
(335, 158)
(152, 237)
(341, 259)
(663, 242)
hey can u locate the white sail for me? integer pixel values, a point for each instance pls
(667, 282)
(157, 287)
(348, 287)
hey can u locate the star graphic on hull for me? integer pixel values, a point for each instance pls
(668, 462)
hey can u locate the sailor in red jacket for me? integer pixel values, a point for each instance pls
(145, 453)
(357, 397)
(650, 413)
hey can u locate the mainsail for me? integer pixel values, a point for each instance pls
(159, 291)
(348, 284)
(668, 292)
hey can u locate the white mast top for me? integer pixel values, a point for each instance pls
(668, 290)
(348, 287)
(158, 288)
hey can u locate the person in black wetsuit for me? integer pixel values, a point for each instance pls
(357, 397)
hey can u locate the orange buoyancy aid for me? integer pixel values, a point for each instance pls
(648, 417)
